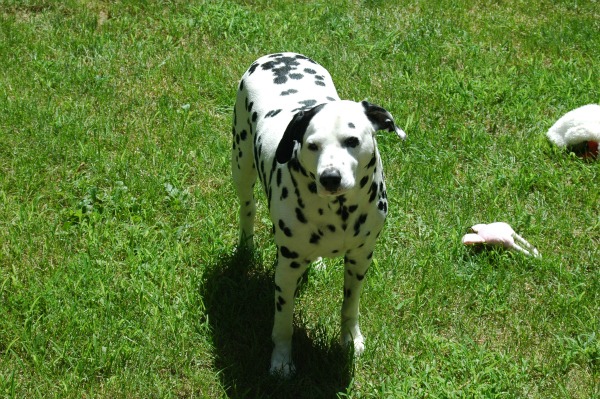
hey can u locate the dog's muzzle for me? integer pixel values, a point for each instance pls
(331, 179)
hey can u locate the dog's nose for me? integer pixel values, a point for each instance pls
(330, 179)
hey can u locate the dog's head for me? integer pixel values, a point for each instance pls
(336, 141)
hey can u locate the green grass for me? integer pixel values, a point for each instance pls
(118, 218)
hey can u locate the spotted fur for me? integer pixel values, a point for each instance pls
(317, 159)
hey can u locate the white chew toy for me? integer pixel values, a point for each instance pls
(499, 233)
(577, 126)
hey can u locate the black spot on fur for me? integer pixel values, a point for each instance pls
(331, 98)
(300, 216)
(312, 187)
(343, 212)
(373, 191)
(319, 83)
(284, 193)
(286, 230)
(268, 65)
(281, 66)
(294, 265)
(286, 253)
(272, 113)
(372, 162)
(382, 206)
(348, 293)
(302, 57)
(278, 177)
(254, 116)
(359, 222)
(331, 228)
(314, 238)
(360, 277)
(364, 181)
(351, 125)
(296, 76)
(294, 165)
(243, 135)
(253, 68)
(349, 261)
(306, 105)
(288, 92)
(242, 84)
(310, 71)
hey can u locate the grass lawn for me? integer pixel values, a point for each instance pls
(118, 276)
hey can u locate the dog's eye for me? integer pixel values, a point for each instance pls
(351, 142)
(313, 147)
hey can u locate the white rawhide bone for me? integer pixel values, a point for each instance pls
(499, 233)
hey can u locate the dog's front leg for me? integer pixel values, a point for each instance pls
(287, 276)
(356, 266)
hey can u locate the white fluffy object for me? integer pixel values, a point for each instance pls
(577, 126)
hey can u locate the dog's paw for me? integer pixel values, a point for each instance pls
(285, 371)
(282, 365)
(357, 341)
(359, 345)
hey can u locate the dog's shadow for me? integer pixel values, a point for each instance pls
(238, 295)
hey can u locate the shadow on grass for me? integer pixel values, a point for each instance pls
(238, 295)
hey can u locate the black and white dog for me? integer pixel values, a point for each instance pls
(317, 159)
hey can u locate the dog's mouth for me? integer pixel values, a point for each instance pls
(326, 193)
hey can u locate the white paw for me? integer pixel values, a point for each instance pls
(285, 370)
(359, 346)
(358, 342)
(282, 365)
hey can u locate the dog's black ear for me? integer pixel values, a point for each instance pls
(381, 119)
(294, 133)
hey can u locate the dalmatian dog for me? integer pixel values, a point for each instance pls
(317, 159)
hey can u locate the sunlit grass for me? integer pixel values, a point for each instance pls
(118, 218)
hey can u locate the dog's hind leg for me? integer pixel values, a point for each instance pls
(244, 174)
